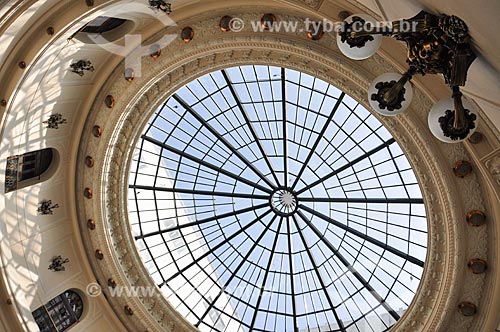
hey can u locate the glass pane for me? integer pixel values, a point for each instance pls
(265, 199)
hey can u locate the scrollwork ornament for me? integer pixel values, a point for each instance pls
(455, 27)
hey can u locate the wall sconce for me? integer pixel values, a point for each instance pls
(161, 5)
(81, 66)
(46, 207)
(54, 121)
(436, 45)
(57, 264)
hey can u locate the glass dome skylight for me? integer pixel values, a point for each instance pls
(264, 199)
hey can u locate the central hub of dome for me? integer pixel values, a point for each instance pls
(287, 199)
(284, 202)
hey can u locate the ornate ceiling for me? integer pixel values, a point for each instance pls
(92, 129)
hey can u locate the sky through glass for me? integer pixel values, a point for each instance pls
(264, 199)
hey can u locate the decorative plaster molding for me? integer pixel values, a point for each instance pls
(449, 242)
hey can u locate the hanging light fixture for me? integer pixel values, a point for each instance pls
(390, 94)
(361, 46)
(437, 44)
(451, 119)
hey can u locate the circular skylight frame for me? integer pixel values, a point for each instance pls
(292, 80)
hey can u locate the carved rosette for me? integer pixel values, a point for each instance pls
(449, 244)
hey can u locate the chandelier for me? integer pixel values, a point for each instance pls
(436, 44)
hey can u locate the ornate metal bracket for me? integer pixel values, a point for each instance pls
(436, 44)
(57, 264)
(46, 207)
(457, 124)
(351, 39)
(161, 5)
(81, 66)
(391, 95)
(439, 45)
(54, 121)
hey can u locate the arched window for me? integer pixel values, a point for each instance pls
(60, 313)
(27, 169)
(103, 24)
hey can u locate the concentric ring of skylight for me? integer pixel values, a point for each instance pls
(264, 199)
